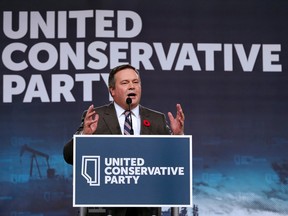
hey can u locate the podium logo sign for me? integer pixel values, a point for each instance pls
(122, 170)
(146, 171)
(91, 169)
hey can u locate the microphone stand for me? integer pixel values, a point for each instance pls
(129, 101)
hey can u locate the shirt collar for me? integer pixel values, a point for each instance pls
(120, 110)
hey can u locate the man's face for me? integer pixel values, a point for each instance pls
(127, 84)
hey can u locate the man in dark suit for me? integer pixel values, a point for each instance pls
(124, 82)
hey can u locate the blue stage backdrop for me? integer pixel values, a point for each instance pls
(224, 61)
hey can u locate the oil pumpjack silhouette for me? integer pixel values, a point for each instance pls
(34, 160)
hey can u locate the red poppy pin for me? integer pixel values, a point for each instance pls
(146, 123)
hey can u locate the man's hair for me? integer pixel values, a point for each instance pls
(111, 80)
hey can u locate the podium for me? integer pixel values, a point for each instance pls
(132, 171)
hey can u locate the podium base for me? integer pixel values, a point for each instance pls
(84, 211)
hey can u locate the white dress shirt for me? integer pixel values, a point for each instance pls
(135, 118)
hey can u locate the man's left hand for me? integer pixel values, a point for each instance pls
(177, 123)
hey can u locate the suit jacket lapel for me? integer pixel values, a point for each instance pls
(144, 116)
(111, 119)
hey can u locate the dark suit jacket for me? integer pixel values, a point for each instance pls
(108, 124)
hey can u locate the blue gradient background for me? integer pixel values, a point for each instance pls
(238, 119)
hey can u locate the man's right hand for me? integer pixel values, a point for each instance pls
(90, 121)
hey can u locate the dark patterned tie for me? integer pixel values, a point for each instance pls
(127, 123)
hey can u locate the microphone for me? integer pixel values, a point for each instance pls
(129, 101)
